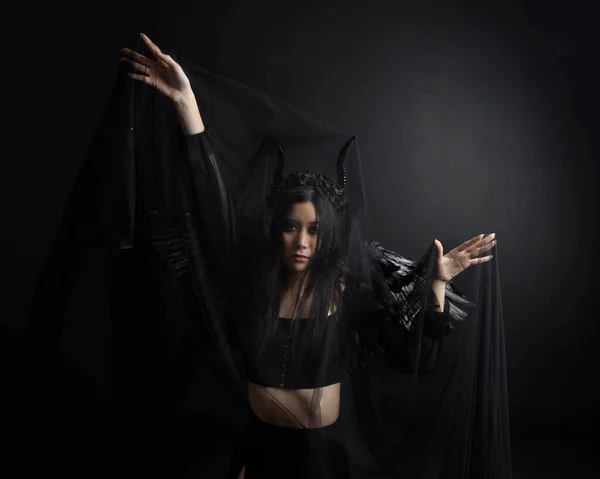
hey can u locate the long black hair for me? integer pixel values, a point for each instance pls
(319, 283)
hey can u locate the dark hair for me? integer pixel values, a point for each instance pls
(321, 278)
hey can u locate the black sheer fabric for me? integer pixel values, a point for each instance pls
(177, 223)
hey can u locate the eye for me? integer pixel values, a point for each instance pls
(289, 227)
(314, 230)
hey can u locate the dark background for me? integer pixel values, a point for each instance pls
(480, 118)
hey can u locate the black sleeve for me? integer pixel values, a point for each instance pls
(410, 329)
(414, 350)
(211, 200)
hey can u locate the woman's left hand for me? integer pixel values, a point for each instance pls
(455, 261)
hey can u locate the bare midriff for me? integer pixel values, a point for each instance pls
(296, 408)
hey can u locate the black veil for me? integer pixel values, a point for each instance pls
(153, 241)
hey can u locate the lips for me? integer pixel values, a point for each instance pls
(300, 258)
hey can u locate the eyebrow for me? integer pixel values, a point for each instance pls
(291, 220)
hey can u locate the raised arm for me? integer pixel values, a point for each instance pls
(189, 113)
(415, 312)
(211, 202)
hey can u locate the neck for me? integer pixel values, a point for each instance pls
(293, 281)
(293, 291)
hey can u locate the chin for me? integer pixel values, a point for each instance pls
(296, 268)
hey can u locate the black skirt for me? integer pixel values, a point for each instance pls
(274, 451)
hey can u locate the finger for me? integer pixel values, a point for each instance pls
(467, 244)
(149, 43)
(487, 247)
(135, 56)
(143, 78)
(480, 250)
(137, 66)
(156, 51)
(484, 259)
(477, 247)
(440, 248)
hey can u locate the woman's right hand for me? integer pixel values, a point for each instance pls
(164, 74)
(167, 76)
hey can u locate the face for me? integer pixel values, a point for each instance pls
(299, 234)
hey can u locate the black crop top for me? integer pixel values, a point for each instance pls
(287, 362)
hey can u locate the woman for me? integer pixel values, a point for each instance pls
(330, 351)
(294, 383)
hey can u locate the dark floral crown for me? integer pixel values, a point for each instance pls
(324, 185)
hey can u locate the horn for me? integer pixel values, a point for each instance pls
(342, 179)
(278, 173)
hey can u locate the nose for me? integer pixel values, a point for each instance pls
(302, 240)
